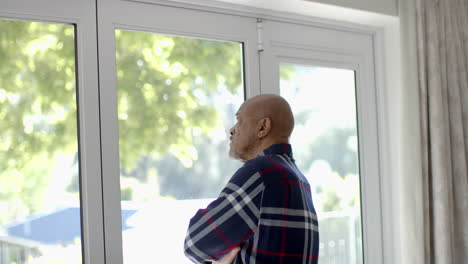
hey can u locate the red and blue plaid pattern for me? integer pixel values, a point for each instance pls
(266, 209)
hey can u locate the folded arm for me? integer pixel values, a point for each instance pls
(228, 221)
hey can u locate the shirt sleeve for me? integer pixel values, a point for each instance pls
(227, 221)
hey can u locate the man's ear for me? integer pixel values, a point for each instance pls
(264, 127)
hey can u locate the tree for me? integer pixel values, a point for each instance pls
(334, 147)
(172, 84)
(165, 85)
(37, 108)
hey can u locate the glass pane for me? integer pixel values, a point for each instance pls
(39, 190)
(177, 97)
(326, 148)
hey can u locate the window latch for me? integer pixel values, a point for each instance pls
(259, 34)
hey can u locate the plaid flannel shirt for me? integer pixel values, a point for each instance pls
(266, 209)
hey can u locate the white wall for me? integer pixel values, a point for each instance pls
(388, 7)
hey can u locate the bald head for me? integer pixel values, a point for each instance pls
(275, 108)
(262, 121)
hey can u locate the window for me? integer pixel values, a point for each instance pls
(39, 194)
(326, 140)
(177, 99)
(331, 88)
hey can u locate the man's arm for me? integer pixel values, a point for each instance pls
(228, 221)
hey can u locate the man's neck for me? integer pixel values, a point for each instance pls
(272, 141)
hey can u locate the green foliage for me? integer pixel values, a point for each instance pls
(334, 147)
(204, 179)
(337, 148)
(164, 92)
(332, 201)
(37, 88)
(37, 108)
(167, 87)
(341, 193)
(287, 72)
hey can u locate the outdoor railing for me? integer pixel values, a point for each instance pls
(340, 237)
(17, 250)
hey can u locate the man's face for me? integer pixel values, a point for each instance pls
(243, 137)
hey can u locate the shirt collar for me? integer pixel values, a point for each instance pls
(275, 149)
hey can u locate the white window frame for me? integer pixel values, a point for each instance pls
(296, 43)
(82, 14)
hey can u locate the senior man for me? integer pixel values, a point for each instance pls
(265, 214)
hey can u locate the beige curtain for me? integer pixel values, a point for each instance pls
(441, 46)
